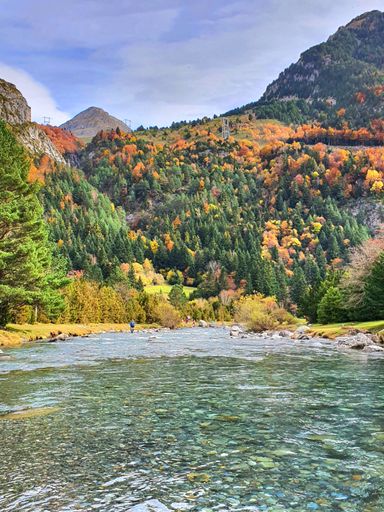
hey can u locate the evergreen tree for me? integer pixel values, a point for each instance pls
(25, 255)
(177, 296)
(330, 308)
(374, 289)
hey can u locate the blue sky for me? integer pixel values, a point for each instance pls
(155, 61)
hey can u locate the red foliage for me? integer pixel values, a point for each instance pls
(64, 141)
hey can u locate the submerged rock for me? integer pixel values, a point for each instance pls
(26, 414)
(150, 506)
(3, 356)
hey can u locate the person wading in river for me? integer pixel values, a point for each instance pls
(132, 325)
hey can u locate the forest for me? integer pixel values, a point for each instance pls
(268, 212)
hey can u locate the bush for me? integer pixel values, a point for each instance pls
(167, 315)
(259, 321)
(200, 309)
(260, 313)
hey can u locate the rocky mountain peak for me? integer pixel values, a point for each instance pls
(92, 120)
(14, 108)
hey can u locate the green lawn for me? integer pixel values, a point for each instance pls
(333, 330)
(166, 288)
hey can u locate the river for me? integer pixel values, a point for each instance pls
(193, 418)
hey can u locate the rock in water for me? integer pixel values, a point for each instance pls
(150, 506)
(203, 323)
(235, 331)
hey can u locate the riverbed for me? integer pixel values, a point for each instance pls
(193, 418)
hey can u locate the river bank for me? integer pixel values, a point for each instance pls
(17, 334)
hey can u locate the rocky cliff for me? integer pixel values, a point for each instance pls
(14, 108)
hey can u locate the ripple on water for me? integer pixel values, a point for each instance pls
(192, 422)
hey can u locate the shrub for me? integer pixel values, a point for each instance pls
(260, 313)
(167, 315)
(259, 321)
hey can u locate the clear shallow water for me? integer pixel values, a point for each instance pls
(247, 425)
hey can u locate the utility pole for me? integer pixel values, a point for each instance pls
(46, 120)
(128, 122)
(225, 128)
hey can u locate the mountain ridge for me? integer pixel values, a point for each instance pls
(344, 72)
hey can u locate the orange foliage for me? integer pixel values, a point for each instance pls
(63, 140)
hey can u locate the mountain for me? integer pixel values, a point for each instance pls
(15, 111)
(14, 108)
(92, 120)
(345, 72)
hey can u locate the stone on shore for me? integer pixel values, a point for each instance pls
(359, 341)
(150, 506)
(203, 323)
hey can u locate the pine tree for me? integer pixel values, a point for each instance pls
(330, 308)
(374, 289)
(25, 255)
(177, 296)
(298, 286)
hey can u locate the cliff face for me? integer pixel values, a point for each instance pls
(15, 111)
(14, 108)
(37, 142)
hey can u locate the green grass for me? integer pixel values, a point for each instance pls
(333, 330)
(166, 288)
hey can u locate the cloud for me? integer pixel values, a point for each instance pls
(156, 61)
(220, 56)
(37, 95)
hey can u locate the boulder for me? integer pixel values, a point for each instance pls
(235, 331)
(285, 334)
(59, 337)
(303, 337)
(203, 323)
(150, 506)
(359, 341)
(302, 329)
(373, 348)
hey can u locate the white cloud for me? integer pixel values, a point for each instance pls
(38, 96)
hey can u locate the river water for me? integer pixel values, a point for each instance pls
(197, 420)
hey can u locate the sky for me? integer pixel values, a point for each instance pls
(157, 61)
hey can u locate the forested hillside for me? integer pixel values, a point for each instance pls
(269, 217)
(345, 72)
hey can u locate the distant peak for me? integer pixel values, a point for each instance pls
(92, 120)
